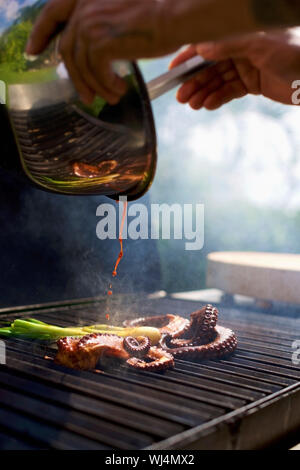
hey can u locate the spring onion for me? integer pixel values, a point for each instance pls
(34, 329)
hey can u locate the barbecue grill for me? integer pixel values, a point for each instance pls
(248, 401)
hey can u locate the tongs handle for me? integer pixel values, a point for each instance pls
(177, 76)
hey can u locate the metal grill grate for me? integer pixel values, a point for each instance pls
(51, 141)
(245, 401)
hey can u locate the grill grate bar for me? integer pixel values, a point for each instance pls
(74, 421)
(40, 351)
(44, 433)
(130, 397)
(126, 409)
(246, 346)
(9, 442)
(278, 346)
(264, 333)
(200, 383)
(239, 371)
(170, 377)
(164, 386)
(98, 408)
(241, 360)
(225, 378)
(260, 357)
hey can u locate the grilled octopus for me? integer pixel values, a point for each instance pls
(197, 338)
(84, 353)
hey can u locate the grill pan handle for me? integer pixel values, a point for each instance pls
(177, 76)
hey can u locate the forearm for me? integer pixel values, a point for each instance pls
(191, 21)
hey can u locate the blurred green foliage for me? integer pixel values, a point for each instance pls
(10, 76)
(12, 46)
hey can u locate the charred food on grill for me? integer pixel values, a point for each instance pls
(197, 338)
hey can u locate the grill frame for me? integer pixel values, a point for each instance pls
(248, 426)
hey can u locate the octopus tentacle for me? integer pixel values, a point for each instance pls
(224, 343)
(156, 359)
(155, 321)
(203, 322)
(201, 329)
(137, 347)
(172, 325)
(170, 342)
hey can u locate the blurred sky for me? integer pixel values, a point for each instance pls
(10, 9)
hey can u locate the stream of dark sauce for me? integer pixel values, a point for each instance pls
(83, 170)
(121, 239)
(109, 292)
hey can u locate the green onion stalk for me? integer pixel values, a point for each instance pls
(34, 329)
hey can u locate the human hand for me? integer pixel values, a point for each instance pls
(97, 32)
(261, 63)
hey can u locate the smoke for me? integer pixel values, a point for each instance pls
(49, 250)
